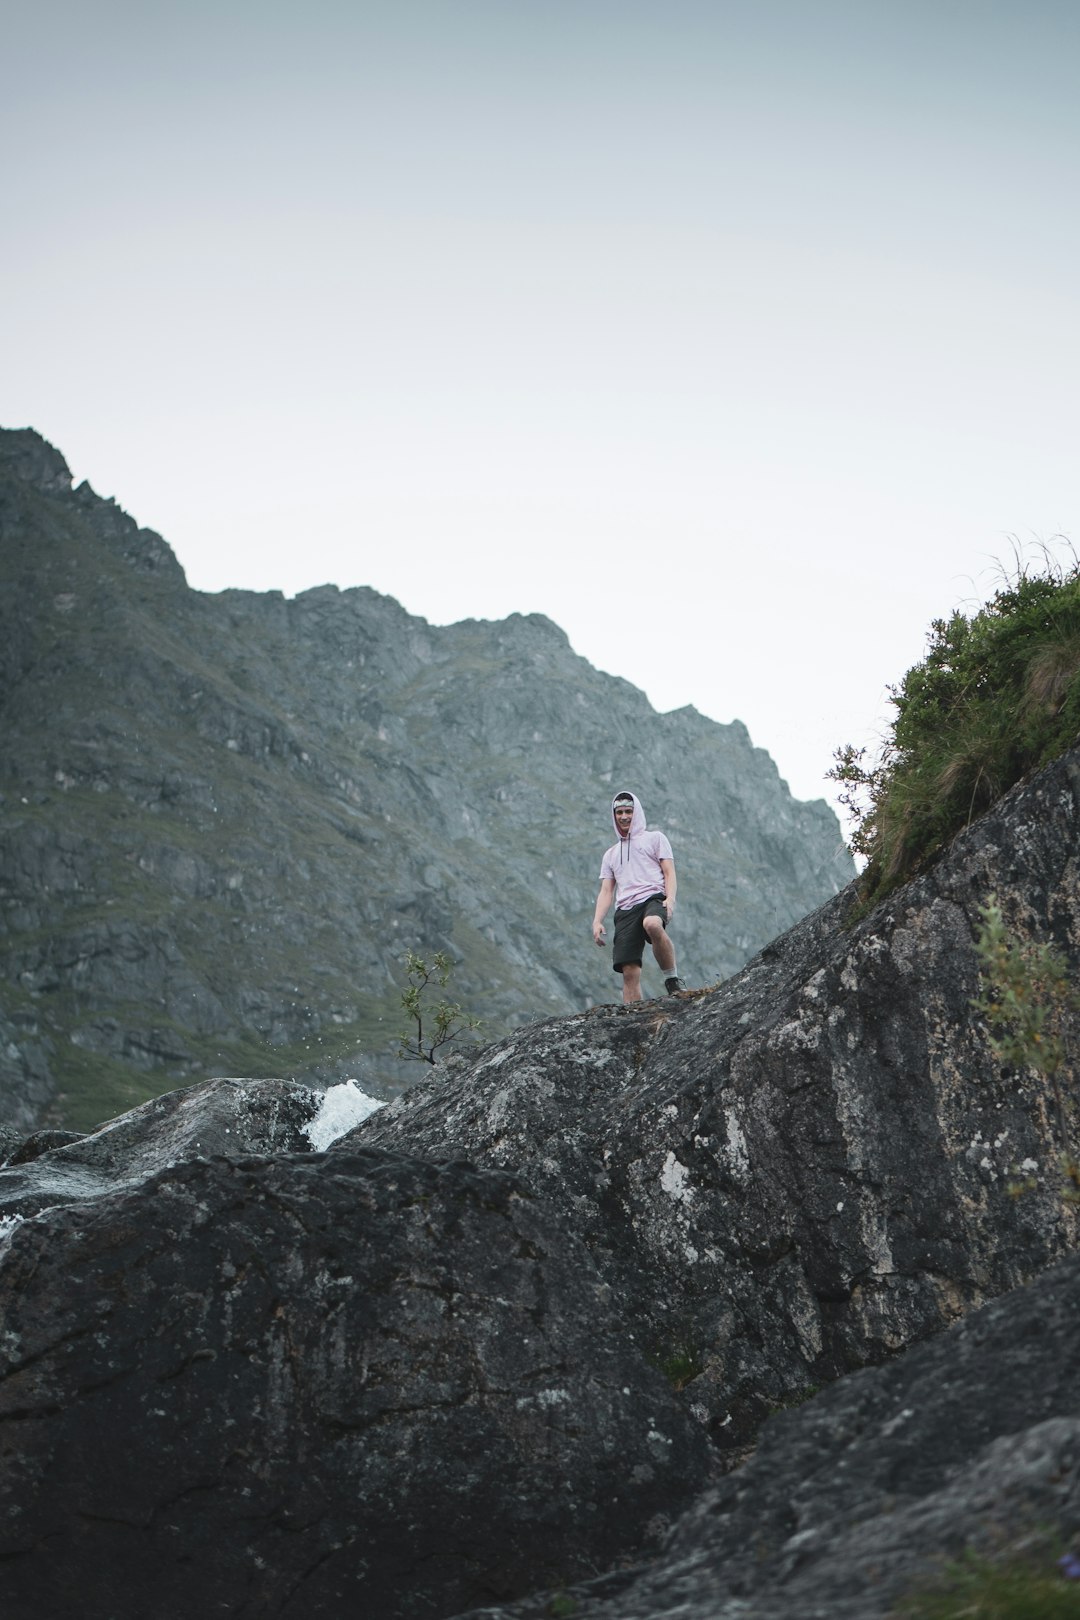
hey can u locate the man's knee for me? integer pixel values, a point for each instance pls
(654, 927)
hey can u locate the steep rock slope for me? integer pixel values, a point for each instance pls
(225, 818)
(805, 1169)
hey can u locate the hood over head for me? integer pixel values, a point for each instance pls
(637, 821)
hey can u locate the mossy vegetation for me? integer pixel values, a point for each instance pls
(562, 1606)
(1021, 1588)
(1026, 997)
(97, 1086)
(997, 696)
(678, 1359)
(798, 1397)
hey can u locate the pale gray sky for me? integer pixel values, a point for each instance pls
(737, 338)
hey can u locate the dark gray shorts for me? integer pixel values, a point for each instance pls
(630, 936)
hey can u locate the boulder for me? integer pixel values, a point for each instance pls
(302, 1385)
(32, 1147)
(966, 1445)
(230, 1117)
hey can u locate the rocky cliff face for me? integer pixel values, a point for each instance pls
(225, 818)
(798, 1172)
(497, 1336)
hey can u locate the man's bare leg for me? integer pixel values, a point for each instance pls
(663, 949)
(631, 982)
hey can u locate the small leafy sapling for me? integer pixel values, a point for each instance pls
(1025, 996)
(430, 1026)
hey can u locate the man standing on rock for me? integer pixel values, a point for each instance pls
(639, 872)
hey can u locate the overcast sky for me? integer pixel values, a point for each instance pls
(738, 338)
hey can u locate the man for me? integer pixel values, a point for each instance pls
(639, 871)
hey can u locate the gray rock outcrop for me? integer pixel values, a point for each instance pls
(225, 818)
(218, 1118)
(804, 1170)
(968, 1445)
(298, 1386)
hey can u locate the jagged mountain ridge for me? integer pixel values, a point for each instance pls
(225, 817)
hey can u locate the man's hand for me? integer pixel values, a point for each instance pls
(601, 909)
(671, 883)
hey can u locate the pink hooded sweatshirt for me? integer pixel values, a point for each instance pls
(633, 862)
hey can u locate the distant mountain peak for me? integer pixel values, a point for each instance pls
(26, 455)
(229, 815)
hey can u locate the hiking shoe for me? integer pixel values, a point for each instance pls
(673, 985)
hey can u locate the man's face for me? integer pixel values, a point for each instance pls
(624, 815)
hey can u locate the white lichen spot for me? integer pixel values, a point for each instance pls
(1029, 1165)
(674, 1178)
(797, 1036)
(813, 987)
(849, 979)
(895, 1423)
(840, 1207)
(691, 1254)
(737, 1150)
(498, 1110)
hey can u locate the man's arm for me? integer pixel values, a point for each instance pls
(603, 906)
(670, 886)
